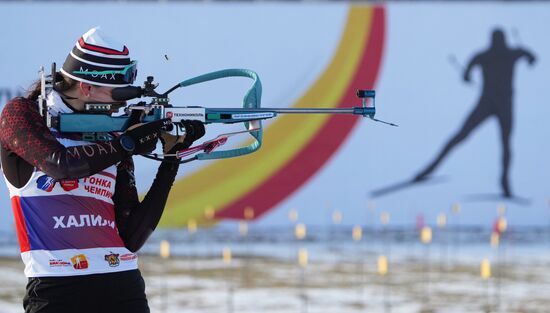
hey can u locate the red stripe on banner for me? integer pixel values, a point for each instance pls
(91, 47)
(20, 225)
(324, 144)
(107, 174)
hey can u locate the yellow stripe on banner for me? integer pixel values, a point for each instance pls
(225, 181)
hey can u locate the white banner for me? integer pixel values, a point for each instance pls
(419, 86)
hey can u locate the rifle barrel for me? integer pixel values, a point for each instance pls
(352, 110)
(315, 110)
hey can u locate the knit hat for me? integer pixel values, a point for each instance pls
(98, 60)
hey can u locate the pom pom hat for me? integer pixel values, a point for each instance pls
(98, 60)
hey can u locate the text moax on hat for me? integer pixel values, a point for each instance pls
(98, 60)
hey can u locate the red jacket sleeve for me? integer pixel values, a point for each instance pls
(23, 131)
(137, 220)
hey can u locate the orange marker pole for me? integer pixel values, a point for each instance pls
(385, 220)
(441, 224)
(293, 219)
(227, 259)
(165, 254)
(426, 239)
(303, 263)
(357, 235)
(383, 270)
(192, 231)
(456, 209)
(248, 214)
(485, 272)
(501, 228)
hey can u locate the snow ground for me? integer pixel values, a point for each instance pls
(263, 284)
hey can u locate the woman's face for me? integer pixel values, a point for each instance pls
(100, 94)
(97, 94)
(103, 94)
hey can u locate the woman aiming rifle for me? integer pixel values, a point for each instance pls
(78, 218)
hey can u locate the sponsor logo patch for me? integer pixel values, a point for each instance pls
(45, 183)
(59, 263)
(112, 259)
(79, 262)
(69, 185)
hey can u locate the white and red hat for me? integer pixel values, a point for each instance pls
(98, 60)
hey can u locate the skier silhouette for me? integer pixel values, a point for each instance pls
(497, 65)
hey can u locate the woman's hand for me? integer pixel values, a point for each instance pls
(169, 142)
(193, 131)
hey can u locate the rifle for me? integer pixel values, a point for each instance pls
(97, 126)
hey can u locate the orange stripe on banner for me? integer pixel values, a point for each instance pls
(325, 142)
(228, 186)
